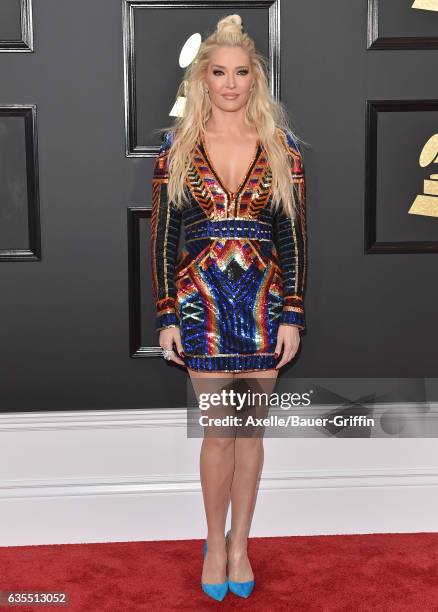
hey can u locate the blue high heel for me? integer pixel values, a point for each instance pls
(216, 590)
(242, 589)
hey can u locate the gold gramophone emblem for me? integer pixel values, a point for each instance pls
(186, 57)
(426, 5)
(427, 203)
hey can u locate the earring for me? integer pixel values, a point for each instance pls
(206, 90)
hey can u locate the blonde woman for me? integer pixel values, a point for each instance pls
(230, 305)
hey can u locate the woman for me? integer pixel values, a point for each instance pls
(231, 173)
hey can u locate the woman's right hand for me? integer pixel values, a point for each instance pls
(168, 336)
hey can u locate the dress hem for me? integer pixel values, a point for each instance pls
(231, 363)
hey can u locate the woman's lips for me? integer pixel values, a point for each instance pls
(230, 96)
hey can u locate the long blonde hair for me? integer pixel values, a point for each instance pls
(268, 115)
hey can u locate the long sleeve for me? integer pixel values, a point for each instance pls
(165, 229)
(290, 239)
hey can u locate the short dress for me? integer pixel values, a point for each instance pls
(241, 271)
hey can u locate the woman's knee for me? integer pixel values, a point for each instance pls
(219, 444)
(250, 444)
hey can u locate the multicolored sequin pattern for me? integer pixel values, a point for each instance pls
(241, 271)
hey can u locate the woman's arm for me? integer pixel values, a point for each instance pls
(165, 228)
(290, 239)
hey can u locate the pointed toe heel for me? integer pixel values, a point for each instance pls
(242, 589)
(215, 590)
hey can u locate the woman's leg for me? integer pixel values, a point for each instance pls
(249, 455)
(216, 471)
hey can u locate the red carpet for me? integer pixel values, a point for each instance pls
(361, 573)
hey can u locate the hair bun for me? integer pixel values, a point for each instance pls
(230, 22)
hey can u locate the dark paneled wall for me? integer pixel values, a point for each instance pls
(76, 152)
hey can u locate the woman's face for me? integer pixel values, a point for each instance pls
(229, 78)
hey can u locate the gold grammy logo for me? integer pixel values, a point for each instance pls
(427, 203)
(426, 5)
(186, 57)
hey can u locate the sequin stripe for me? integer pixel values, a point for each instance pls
(166, 222)
(192, 261)
(263, 192)
(290, 242)
(261, 310)
(161, 173)
(165, 305)
(293, 303)
(233, 219)
(289, 249)
(211, 324)
(165, 228)
(227, 252)
(229, 228)
(205, 187)
(231, 362)
(298, 177)
(303, 231)
(231, 238)
(293, 312)
(196, 185)
(299, 226)
(156, 187)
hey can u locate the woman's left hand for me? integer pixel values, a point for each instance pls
(288, 337)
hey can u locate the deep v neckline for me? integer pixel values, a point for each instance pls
(217, 175)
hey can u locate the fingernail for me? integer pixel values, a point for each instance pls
(275, 355)
(182, 353)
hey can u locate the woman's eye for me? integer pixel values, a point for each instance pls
(216, 72)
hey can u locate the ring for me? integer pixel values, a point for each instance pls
(167, 353)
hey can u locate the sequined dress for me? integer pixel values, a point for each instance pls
(241, 271)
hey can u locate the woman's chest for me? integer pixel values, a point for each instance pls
(210, 192)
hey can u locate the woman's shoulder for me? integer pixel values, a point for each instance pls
(161, 170)
(290, 140)
(166, 141)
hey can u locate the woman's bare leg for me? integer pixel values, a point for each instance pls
(249, 456)
(216, 471)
